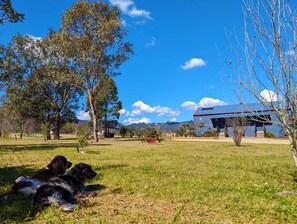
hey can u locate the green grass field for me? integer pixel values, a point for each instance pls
(171, 182)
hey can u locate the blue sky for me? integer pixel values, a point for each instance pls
(179, 45)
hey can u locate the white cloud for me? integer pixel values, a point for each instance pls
(194, 62)
(136, 121)
(82, 115)
(124, 112)
(142, 108)
(209, 102)
(268, 95)
(139, 13)
(128, 7)
(35, 39)
(189, 105)
(172, 120)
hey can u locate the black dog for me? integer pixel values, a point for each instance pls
(61, 190)
(28, 184)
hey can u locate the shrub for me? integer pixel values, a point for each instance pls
(83, 136)
(210, 133)
(269, 135)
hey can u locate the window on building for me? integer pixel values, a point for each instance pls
(207, 108)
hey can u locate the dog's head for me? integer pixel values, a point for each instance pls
(59, 165)
(83, 171)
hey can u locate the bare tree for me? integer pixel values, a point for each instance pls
(239, 126)
(265, 62)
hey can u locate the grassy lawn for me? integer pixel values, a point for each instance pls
(171, 182)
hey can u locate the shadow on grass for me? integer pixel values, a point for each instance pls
(129, 139)
(9, 174)
(37, 146)
(14, 207)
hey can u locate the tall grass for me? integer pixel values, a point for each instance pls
(171, 182)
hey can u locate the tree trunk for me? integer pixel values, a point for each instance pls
(94, 124)
(94, 116)
(294, 153)
(48, 128)
(293, 143)
(57, 126)
(21, 129)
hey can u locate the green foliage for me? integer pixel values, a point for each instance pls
(38, 81)
(210, 133)
(131, 132)
(46, 129)
(150, 134)
(69, 128)
(83, 136)
(269, 135)
(95, 36)
(150, 131)
(123, 131)
(106, 102)
(8, 14)
(186, 130)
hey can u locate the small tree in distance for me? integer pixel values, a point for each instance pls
(239, 127)
(123, 131)
(83, 136)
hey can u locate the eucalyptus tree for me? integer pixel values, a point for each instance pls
(107, 102)
(266, 59)
(96, 43)
(8, 14)
(38, 80)
(18, 63)
(57, 78)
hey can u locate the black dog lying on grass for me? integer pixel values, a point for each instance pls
(28, 184)
(61, 190)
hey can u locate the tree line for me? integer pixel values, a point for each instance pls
(45, 78)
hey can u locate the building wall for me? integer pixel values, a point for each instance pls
(209, 123)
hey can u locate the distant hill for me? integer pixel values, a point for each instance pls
(163, 126)
(166, 127)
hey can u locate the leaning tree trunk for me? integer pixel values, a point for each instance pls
(292, 138)
(294, 153)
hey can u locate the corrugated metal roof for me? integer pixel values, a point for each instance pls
(231, 109)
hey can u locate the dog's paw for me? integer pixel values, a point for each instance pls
(68, 207)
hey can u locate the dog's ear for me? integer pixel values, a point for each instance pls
(58, 165)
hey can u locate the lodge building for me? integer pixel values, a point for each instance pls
(256, 125)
